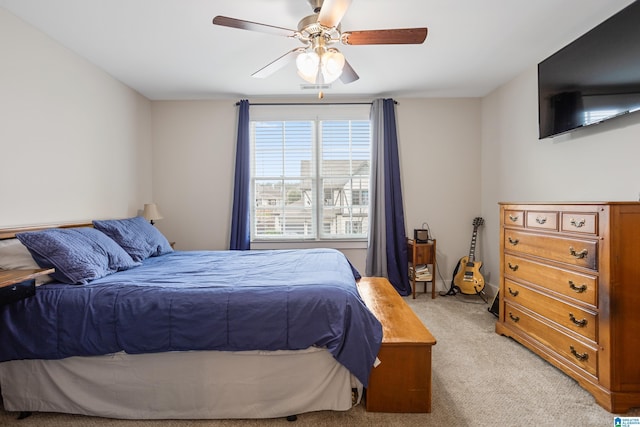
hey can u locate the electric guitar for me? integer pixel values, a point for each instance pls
(468, 278)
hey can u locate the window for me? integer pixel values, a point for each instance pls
(310, 179)
(360, 197)
(595, 116)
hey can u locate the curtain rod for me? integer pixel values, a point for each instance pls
(269, 104)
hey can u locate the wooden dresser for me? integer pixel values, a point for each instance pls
(570, 292)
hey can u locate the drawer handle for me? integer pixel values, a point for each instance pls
(514, 293)
(579, 223)
(514, 241)
(582, 357)
(513, 218)
(513, 267)
(582, 323)
(514, 318)
(578, 289)
(578, 255)
(541, 220)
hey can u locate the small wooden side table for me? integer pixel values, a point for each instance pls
(419, 254)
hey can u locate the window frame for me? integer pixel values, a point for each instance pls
(315, 113)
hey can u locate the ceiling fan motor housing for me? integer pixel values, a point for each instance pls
(309, 27)
(316, 5)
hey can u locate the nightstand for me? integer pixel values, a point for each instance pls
(19, 284)
(422, 254)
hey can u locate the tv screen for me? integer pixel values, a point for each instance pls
(595, 78)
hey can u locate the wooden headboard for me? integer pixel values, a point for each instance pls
(9, 233)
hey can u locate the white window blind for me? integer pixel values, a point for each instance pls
(310, 179)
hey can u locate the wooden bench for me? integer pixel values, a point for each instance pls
(402, 381)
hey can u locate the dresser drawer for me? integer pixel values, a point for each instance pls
(581, 287)
(542, 220)
(570, 316)
(580, 222)
(571, 349)
(513, 218)
(578, 252)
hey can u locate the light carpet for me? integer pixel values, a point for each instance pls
(479, 379)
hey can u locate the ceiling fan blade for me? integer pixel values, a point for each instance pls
(348, 74)
(279, 63)
(332, 12)
(397, 36)
(225, 21)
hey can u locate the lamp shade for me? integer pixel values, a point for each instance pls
(320, 68)
(151, 212)
(332, 63)
(307, 64)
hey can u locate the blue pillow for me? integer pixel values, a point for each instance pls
(136, 236)
(79, 255)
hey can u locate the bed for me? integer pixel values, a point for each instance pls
(182, 334)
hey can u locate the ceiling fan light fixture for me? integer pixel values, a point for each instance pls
(331, 63)
(316, 61)
(307, 64)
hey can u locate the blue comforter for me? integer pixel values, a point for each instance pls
(202, 300)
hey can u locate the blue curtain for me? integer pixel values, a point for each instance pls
(387, 249)
(240, 220)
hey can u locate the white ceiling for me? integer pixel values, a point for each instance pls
(169, 49)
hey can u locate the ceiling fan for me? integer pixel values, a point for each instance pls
(317, 61)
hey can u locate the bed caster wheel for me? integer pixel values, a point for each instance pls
(292, 418)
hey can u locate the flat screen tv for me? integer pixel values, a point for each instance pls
(593, 79)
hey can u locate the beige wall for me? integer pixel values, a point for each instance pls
(75, 144)
(194, 155)
(440, 159)
(439, 139)
(599, 163)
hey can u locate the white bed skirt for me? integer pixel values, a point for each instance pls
(181, 385)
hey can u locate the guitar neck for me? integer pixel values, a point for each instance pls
(472, 249)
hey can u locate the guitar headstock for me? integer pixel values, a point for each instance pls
(478, 222)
